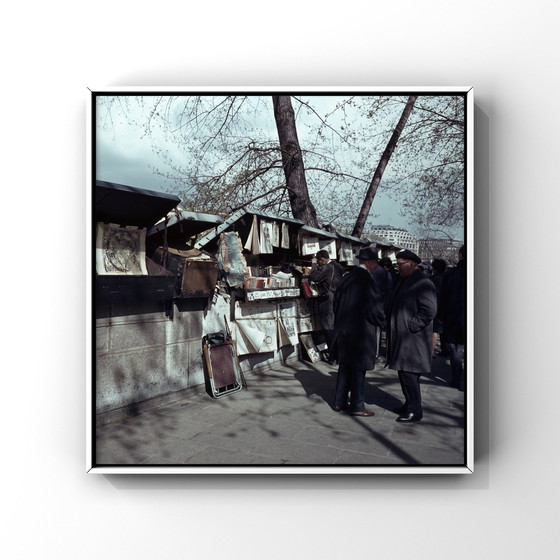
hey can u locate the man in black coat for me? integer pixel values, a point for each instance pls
(411, 312)
(327, 275)
(452, 313)
(384, 282)
(358, 310)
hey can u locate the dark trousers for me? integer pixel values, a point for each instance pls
(329, 338)
(457, 369)
(410, 385)
(350, 380)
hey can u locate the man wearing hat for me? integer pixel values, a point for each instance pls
(358, 310)
(411, 312)
(327, 275)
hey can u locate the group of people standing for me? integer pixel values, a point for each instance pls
(355, 308)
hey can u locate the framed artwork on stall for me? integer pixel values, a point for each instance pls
(365, 192)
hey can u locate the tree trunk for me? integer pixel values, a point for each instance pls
(292, 161)
(370, 195)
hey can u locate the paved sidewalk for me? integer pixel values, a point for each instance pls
(285, 417)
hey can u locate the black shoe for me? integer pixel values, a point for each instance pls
(400, 410)
(410, 417)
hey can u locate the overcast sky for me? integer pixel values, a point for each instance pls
(126, 156)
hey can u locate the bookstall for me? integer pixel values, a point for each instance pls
(124, 272)
(263, 264)
(171, 244)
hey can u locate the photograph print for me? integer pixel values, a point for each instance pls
(280, 281)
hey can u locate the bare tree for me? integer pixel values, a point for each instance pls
(292, 161)
(372, 190)
(231, 151)
(429, 180)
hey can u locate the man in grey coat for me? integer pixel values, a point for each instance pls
(411, 312)
(358, 310)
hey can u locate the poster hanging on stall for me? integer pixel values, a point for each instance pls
(266, 237)
(285, 242)
(287, 320)
(309, 245)
(249, 340)
(255, 336)
(328, 245)
(121, 250)
(346, 254)
(252, 244)
(231, 260)
(276, 242)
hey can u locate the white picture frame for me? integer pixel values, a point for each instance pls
(466, 466)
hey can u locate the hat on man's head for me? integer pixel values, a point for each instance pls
(409, 256)
(368, 254)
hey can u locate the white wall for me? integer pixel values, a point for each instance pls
(53, 53)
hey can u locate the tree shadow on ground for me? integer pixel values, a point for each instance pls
(323, 385)
(315, 382)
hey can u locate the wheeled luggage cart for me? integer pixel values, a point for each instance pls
(224, 371)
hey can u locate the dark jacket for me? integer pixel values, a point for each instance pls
(452, 304)
(384, 282)
(437, 279)
(412, 309)
(327, 278)
(358, 310)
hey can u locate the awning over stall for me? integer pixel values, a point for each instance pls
(182, 224)
(352, 239)
(122, 204)
(123, 271)
(245, 222)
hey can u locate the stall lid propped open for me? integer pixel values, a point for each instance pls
(181, 223)
(125, 205)
(124, 274)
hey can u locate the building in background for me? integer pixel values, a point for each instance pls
(433, 248)
(399, 237)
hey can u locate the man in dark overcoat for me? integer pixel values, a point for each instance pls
(411, 312)
(327, 275)
(453, 314)
(358, 310)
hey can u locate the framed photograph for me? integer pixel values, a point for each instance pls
(274, 188)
